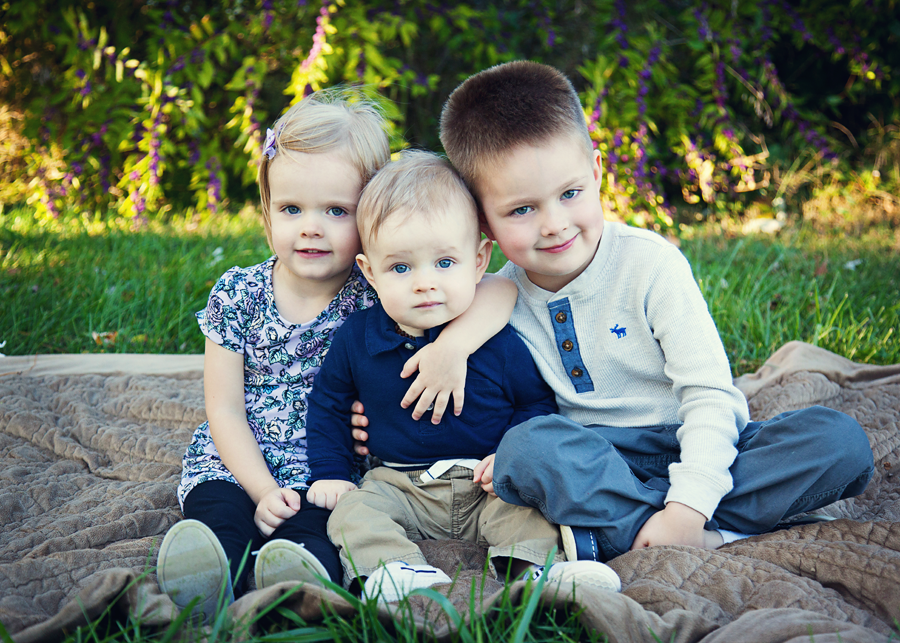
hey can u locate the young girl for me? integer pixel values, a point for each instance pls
(267, 330)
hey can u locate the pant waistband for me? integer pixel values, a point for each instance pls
(426, 473)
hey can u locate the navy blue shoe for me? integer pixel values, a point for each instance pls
(581, 543)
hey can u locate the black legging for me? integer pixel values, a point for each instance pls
(228, 510)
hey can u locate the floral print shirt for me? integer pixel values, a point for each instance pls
(280, 362)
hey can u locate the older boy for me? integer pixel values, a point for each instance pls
(653, 445)
(423, 254)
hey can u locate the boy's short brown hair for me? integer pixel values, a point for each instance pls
(418, 182)
(500, 108)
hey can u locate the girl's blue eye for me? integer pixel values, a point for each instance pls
(400, 268)
(445, 263)
(570, 194)
(522, 210)
(292, 209)
(336, 211)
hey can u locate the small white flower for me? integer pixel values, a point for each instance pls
(851, 265)
(216, 257)
(723, 282)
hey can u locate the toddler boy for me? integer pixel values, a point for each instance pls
(423, 254)
(653, 444)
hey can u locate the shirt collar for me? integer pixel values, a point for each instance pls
(381, 336)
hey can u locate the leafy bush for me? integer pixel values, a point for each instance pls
(150, 105)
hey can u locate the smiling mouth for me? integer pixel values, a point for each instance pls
(561, 247)
(312, 251)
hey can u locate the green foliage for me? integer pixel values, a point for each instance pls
(156, 106)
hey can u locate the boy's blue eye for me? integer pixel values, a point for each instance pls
(400, 268)
(570, 194)
(292, 209)
(522, 210)
(445, 263)
(336, 211)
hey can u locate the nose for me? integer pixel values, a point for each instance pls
(311, 225)
(424, 281)
(555, 219)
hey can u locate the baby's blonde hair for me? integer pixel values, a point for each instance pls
(328, 120)
(417, 183)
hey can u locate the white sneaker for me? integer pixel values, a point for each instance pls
(589, 573)
(192, 563)
(282, 560)
(393, 581)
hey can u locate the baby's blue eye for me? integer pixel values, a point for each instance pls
(400, 268)
(569, 194)
(292, 209)
(522, 210)
(336, 211)
(445, 263)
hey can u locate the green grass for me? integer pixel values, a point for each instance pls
(64, 281)
(838, 293)
(517, 620)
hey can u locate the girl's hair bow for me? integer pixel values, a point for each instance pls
(269, 147)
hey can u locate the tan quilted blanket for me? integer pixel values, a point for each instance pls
(90, 453)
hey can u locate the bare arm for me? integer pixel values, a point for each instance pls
(442, 365)
(223, 388)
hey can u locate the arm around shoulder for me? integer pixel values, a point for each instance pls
(442, 365)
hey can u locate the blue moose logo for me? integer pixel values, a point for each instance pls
(618, 332)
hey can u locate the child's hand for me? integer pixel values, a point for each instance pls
(484, 474)
(325, 493)
(442, 373)
(274, 508)
(358, 420)
(677, 524)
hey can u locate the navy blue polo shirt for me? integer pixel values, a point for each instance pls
(503, 389)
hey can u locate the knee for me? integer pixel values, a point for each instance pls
(540, 435)
(836, 429)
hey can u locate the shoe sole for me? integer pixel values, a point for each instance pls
(281, 561)
(590, 573)
(192, 563)
(568, 542)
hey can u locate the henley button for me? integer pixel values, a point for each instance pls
(410, 347)
(577, 372)
(568, 345)
(561, 317)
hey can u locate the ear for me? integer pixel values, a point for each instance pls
(597, 168)
(484, 227)
(363, 262)
(483, 258)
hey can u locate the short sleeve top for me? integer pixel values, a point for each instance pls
(281, 360)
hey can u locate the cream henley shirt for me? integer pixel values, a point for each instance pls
(630, 343)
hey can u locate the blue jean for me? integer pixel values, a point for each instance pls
(613, 479)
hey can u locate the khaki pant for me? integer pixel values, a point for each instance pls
(392, 510)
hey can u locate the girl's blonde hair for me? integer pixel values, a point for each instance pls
(324, 121)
